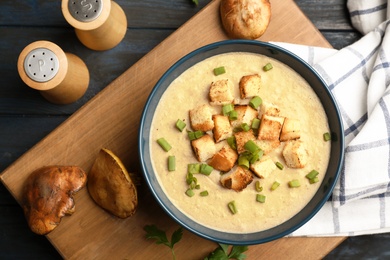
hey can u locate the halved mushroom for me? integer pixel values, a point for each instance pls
(48, 196)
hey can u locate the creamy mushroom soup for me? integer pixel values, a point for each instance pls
(281, 86)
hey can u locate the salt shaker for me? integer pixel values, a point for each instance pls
(99, 24)
(61, 78)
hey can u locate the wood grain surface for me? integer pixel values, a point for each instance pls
(111, 119)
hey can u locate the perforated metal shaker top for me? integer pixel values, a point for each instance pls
(85, 10)
(41, 64)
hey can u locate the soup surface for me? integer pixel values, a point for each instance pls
(281, 86)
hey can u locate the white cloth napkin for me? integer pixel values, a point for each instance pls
(359, 78)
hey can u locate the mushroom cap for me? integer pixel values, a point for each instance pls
(48, 196)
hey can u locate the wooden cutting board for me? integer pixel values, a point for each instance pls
(111, 120)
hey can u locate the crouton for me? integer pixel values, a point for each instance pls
(221, 92)
(269, 109)
(295, 154)
(245, 114)
(250, 86)
(204, 147)
(268, 145)
(270, 127)
(224, 160)
(200, 118)
(222, 128)
(243, 137)
(263, 167)
(291, 130)
(237, 179)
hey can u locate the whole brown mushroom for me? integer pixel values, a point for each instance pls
(48, 196)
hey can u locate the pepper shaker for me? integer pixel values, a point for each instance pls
(99, 24)
(61, 78)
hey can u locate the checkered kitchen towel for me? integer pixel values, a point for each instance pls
(359, 78)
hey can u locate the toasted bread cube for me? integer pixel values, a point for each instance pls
(245, 114)
(250, 86)
(268, 145)
(270, 127)
(263, 167)
(221, 92)
(204, 147)
(237, 179)
(291, 130)
(243, 137)
(222, 128)
(201, 118)
(269, 109)
(224, 160)
(295, 154)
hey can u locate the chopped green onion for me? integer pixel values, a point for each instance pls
(206, 169)
(314, 180)
(171, 163)
(327, 137)
(255, 102)
(312, 174)
(191, 135)
(232, 142)
(189, 178)
(233, 115)
(204, 193)
(232, 207)
(275, 185)
(164, 144)
(258, 186)
(279, 165)
(193, 168)
(190, 192)
(260, 198)
(243, 161)
(197, 186)
(267, 67)
(257, 156)
(251, 146)
(245, 127)
(256, 123)
(199, 134)
(294, 184)
(180, 125)
(226, 109)
(219, 71)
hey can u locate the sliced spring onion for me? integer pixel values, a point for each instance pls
(279, 165)
(199, 134)
(193, 168)
(260, 198)
(190, 192)
(275, 185)
(294, 184)
(314, 180)
(232, 206)
(206, 169)
(226, 109)
(312, 174)
(243, 161)
(232, 142)
(197, 187)
(189, 178)
(255, 123)
(258, 186)
(251, 147)
(171, 163)
(180, 125)
(204, 193)
(219, 71)
(255, 102)
(245, 127)
(327, 137)
(191, 135)
(267, 67)
(164, 144)
(233, 115)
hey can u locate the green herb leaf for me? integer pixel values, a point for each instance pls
(222, 253)
(176, 236)
(152, 232)
(237, 252)
(196, 2)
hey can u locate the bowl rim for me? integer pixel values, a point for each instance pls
(240, 238)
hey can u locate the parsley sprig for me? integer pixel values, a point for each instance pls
(152, 232)
(222, 253)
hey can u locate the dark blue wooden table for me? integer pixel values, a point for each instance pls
(26, 118)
